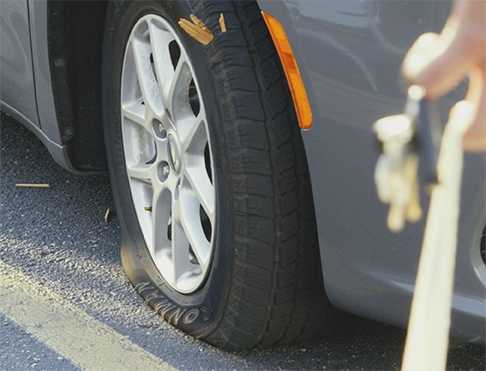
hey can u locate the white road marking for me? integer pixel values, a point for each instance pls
(68, 330)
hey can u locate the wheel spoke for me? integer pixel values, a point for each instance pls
(180, 249)
(175, 93)
(202, 188)
(159, 40)
(191, 222)
(149, 88)
(139, 172)
(135, 113)
(140, 150)
(161, 209)
(194, 137)
(195, 168)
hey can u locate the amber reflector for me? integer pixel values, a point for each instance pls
(301, 103)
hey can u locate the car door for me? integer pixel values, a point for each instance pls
(17, 89)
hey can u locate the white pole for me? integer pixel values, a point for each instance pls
(428, 329)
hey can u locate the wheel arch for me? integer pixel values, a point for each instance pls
(75, 38)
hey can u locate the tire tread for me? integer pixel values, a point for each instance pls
(277, 295)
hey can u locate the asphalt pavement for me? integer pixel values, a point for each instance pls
(65, 303)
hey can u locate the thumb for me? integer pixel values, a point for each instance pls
(437, 62)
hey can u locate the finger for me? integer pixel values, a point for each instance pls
(447, 60)
(439, 63)
(462, 115)
(474, 139)
(418, 56)
(419, 53)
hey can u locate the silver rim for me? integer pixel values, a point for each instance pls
(167, 153)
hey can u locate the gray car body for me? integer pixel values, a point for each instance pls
(349, 54)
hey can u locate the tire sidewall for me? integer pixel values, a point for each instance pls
(198, 313)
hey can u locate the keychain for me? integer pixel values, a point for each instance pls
(403, 139)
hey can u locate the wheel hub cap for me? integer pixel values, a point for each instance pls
(174, 153)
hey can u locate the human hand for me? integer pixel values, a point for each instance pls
(440, 62)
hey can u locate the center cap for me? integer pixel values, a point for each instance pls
(174, 152)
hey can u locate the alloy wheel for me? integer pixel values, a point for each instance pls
(168, 153)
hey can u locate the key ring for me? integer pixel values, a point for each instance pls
(404, 138)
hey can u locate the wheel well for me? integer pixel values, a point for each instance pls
(75, 38)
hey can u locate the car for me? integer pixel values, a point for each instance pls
(243, 178)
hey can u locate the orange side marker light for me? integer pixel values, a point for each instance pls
(297, 89)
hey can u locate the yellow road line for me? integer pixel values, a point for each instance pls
(66, 329)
